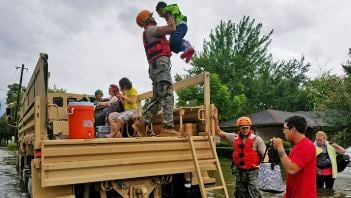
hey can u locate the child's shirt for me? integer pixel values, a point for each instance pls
(174, 10)
(130, 93)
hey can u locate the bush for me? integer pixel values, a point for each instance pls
(12, 147)
(223, 144)
(225, 152)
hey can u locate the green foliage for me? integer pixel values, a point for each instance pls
(347, 65)
(225, 152)
(332, 95)
(223, 144)
(244, 78)
(235, 51)
(12, 147)
(55, 89)
(12, 93)
(11, 100)
(193, 96)
(232, 55)
(5, 131)
(338, 113)
(338, 105)
(321, 91)
(278, 87)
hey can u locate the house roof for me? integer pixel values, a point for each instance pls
(275, 117)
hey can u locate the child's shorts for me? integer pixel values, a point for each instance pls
(124, 116)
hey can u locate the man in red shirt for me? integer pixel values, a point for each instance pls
(300, 165)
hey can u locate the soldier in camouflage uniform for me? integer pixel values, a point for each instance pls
(248, 151)
(158, 55)
(246, 184)
(160, 74)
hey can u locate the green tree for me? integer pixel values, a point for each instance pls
(5, 133)
(347, 65)
(278, 86)
(234, 52)
(338, 105)
(332, 95)
(11, 101)
(320, 92)
(193, 96)
(55, 89)
(245, 78)
(12, 93)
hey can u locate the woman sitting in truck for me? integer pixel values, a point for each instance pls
(129, 97)
(114, 104)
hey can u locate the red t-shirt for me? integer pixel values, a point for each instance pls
(302, 183)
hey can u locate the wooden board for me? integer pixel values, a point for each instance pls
(81, 161)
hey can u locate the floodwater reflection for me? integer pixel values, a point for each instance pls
(9, 182)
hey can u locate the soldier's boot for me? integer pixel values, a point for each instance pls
(140, 128)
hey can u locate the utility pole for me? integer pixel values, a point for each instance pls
(18, 98)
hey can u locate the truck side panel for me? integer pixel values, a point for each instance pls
(35, 100)
(82, 161)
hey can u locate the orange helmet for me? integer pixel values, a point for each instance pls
(244, 121)
(142, 17)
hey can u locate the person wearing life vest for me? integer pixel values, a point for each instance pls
(158, 54)
(174, 16)
(248, 151)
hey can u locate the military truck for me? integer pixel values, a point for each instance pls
(52, 165)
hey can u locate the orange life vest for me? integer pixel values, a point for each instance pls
(244, 157)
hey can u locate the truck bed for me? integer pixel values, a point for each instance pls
(91, 160)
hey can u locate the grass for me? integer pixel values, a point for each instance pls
(12, 147)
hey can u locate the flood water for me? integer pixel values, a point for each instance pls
(342, 185)
(9, 185)
(10, 188)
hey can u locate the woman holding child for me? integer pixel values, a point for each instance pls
(129, 98)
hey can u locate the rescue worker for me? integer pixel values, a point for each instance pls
(248, 151)
(174, 16)
(158, 55)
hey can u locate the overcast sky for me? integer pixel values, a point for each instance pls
(94, 43)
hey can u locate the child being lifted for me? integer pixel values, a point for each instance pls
(173, 16)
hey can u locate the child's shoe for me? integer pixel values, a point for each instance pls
(188, 54)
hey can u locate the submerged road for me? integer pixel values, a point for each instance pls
(10, 188)
(9, 182)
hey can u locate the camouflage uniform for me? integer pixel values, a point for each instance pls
(246, 184)
(160, 74)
